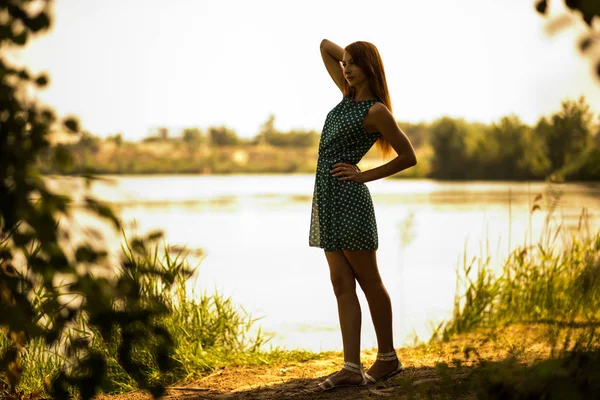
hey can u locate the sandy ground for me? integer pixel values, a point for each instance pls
(296, 380)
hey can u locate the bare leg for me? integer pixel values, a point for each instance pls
(364, 265)
(344, 287)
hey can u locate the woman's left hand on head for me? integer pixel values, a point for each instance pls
(346, 172)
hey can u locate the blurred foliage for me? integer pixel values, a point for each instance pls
(48, 282)
(587, 11)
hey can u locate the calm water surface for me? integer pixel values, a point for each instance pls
(253, 230)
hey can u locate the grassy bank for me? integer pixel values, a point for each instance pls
(209, 333)
(554, 281)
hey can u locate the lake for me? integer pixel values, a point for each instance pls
(253, 230)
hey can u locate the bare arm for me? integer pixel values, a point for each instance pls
(332, 56)
(384, 122)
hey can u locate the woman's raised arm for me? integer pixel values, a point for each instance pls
(332, 56)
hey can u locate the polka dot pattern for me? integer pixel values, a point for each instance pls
(342, 216)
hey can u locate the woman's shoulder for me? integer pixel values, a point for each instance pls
(378, 112)
(379, 108)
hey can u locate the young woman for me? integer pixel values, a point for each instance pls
(343, 220)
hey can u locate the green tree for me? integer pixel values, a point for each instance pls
(267, 131)
(518, 155)
(570, 133)
(222, 136)
(36, 253)
(192, 136)
(449, 142)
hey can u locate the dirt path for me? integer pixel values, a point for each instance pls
(295, 380)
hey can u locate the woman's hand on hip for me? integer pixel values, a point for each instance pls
(346, 172)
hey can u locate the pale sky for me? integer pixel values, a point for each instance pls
(131, 65)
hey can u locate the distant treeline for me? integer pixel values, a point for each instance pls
(564, 145)
(222, 136)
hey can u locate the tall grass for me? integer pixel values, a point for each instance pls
(554, 281)
(209, 332)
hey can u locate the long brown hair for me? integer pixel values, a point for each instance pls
(367, 58)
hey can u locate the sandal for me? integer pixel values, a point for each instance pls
(357, 369)
(391, 356)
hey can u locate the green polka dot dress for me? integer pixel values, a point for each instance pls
(342, 215)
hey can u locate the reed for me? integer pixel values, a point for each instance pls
(553, 281)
